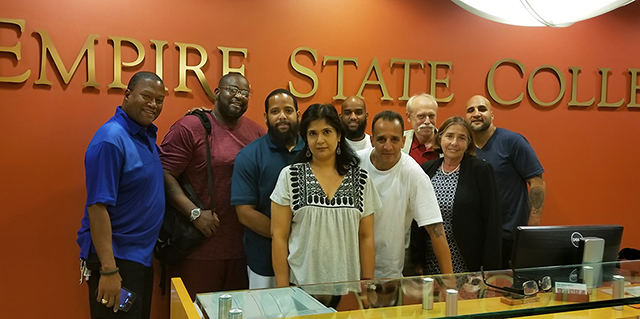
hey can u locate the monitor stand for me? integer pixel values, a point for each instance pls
(592, 249)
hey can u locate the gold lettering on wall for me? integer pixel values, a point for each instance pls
(633, 91)
(340, 61)
(159, 47)
(375, 68)
(225, 59)
(491, 87)
(15, 50)
(48, 48)
(304, 71)
(407, 71)
(532, 93)
(49, 53)
(603, 90)
(197, 69)
(434, 80)
(117, 59)
(574, 88)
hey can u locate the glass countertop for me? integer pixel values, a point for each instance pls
(569, 288)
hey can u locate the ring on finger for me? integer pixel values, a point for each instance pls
(104, 301)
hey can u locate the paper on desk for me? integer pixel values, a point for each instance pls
(265, 303)
(634, 291)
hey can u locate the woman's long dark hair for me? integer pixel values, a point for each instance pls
(347, 156)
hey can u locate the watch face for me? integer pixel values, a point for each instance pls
(195, 213)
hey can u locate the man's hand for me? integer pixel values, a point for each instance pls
(207, 223)
(100, 225)
(109, 291)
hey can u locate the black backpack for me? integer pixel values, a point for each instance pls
(178, 236)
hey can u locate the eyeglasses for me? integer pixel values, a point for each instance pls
(234, 91)
(528, 287)
(544, 284)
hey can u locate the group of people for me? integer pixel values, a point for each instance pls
(314, 199)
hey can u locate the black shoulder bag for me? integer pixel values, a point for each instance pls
(178, 235)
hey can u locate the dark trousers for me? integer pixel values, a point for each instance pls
(200, 276)
(136, 277)
(507, 249)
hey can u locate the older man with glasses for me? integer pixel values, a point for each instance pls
(219, 264)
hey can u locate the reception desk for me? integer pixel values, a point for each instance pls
(403, 298)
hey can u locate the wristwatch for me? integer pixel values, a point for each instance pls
(195, 213)
(371, 286)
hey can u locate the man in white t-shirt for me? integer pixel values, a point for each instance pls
(354, 119)
(405, 192)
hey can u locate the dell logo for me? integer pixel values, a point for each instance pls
(575, 239)
(573, 277)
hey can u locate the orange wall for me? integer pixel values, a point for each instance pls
(589, 153)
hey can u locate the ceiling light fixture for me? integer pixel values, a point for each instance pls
(552, 13)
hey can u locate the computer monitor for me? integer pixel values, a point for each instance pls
(539, 246)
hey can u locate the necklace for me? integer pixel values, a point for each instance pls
(452, 171)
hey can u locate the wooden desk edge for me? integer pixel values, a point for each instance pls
(181, 304)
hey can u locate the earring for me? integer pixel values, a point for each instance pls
(338, 151)
(308, 153)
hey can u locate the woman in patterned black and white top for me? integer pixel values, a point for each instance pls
(468, 198)
(322, 208)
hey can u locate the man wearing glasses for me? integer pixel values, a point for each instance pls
(219, 264)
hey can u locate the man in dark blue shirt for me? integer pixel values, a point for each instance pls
(255, 175)
(125, 202)
(518, 171)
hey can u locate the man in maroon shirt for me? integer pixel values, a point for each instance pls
(422, 110)
(219, 264)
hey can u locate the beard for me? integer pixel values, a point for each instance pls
(485, 125)
(288, 137)
(229, 114)
(357, 133)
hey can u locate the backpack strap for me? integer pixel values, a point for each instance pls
(206, 123)
(204, 118)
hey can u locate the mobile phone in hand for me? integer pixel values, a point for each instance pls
(126, 299)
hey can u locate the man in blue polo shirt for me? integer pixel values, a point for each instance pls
(255, 175)
(125, 202)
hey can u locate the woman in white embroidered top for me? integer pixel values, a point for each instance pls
(322, 208)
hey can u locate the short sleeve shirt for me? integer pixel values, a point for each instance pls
(255, 174)
(514, 162)
(406, 193)
(183, 150)
(324, 243)
(362, 144)
(123, 171)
